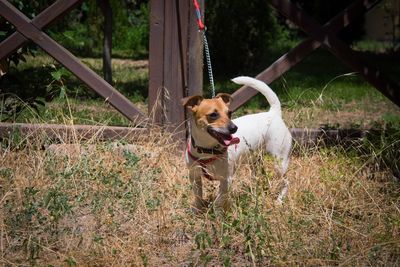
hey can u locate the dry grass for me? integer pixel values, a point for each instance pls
(112, 204)
(351, 115)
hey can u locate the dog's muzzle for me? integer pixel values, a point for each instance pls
(224, 134)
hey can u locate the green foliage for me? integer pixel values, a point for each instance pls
(75, 39)
(11, 106)
(133, 29)
(57, 85)
(24, 92)
(130, 34)
(57, 203)
(131, 158)
(382, 144)
(70, 262)
(323, 11)
(240, 34)
(31, 9)
(203, 243)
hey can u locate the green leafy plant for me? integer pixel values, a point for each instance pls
(57, 86)
(57, 203)
(131, 158)
(203, 242)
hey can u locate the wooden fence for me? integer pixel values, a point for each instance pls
(32, 30)
(175, 61)
(322, 36)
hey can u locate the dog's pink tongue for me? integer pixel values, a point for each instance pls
(233, 141)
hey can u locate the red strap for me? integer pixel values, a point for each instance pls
(198, 14)
(202, 162)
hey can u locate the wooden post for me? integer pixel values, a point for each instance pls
(106, 10)
(175, 65)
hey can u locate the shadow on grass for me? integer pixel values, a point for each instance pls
(33, 82)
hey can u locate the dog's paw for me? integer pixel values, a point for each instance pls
(222, 205)
(199, 206)
(282, 195)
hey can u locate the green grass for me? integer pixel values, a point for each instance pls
(318, 91)
(60, 111)
(71, 100)
(129, 77)
(320, 74)
(321, 90)
(373, 46)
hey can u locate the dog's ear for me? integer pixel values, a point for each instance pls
(227, 98)
(192, 102)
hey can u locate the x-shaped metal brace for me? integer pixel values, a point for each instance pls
(321, 35)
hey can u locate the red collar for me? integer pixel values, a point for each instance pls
(217, 150)
(202, 162)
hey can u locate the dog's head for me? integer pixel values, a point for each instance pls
(213, 117)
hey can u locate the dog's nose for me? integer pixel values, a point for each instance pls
(232, 128)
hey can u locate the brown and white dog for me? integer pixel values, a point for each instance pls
(216, 142)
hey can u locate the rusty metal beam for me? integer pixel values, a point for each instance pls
(64, 57)
(302, 50)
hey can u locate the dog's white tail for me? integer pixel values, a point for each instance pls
(263, 89)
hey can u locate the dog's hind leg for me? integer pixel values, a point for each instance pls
(281, 167)
(283, 193)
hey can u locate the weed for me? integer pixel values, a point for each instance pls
(29, 213)
(131, 158)
(382, 145)
(57, 204)
(70, 262)
(6, 176)
(203, 242)
(102, 205)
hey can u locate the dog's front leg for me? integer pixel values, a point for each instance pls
(222, 200)
(197, 185)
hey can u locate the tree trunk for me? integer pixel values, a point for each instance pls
(107, 38)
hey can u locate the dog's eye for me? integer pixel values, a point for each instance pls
(213, 116)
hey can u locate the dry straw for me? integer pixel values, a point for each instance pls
(91, 203)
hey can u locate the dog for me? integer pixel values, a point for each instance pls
(216, 142)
